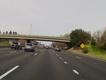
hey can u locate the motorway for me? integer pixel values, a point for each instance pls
(47, 64)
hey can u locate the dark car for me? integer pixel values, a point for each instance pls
(16, 46)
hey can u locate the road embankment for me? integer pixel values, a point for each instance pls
(101, 57)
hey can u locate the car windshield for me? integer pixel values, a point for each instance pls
(29, 44)
(52, 39)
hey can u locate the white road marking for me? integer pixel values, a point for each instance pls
(78, 57)
(8, 72)
(35, 54)
(76, 72)
(60, 57)
(56, 54)
(65, 62)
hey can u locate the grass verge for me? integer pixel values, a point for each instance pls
(4, 43)
(96, 52)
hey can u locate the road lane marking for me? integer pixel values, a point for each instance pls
(76, 72)
(60, 57)
(35, 54)
(78, 57)
(8, 72)
(65, 62)
(57, 55)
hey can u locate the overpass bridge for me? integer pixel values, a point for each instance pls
(37, 38)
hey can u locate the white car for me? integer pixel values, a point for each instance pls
(29, 47)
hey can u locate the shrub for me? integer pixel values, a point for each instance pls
(85, 50)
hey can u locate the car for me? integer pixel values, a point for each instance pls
(16, 46)
(57, 49)
(12, 46)
(29, 47)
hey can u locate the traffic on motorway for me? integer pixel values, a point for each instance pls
(29, 46)
(52, 39)
(42, 62)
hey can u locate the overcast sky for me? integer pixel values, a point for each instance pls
(52, 17)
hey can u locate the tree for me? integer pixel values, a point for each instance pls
(15, 33)
(66, 36)
(102, 43)
(3, 33)
(10, 32)
(6, 32)
(100, 39)
(97, 36)
(79, 36)
(93, 41)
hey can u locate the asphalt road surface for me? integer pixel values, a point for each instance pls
(47, 64)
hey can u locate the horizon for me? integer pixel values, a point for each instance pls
(28, 27)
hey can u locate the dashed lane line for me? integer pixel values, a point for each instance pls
(76, 72)
(78, 57)
(60, 57)
(57, 55)
(65, 62)
(35, 54)
(8, 72)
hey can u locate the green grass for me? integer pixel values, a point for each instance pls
(4, 43)
(96, 52)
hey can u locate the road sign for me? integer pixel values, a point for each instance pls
(82, 45)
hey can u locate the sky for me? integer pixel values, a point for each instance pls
(52, 17)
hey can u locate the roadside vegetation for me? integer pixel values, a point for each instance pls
(93, 45)
(4, 43)
(96, 52)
